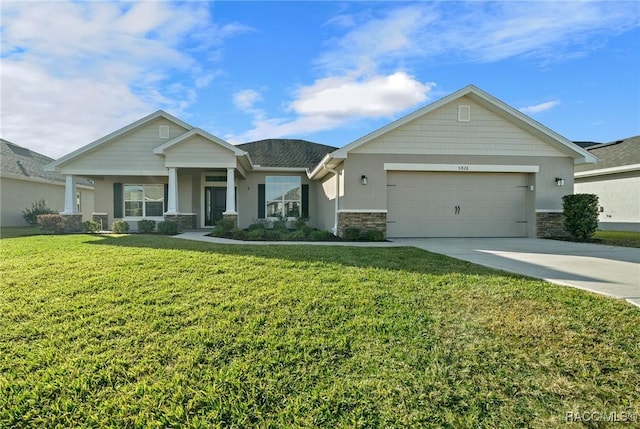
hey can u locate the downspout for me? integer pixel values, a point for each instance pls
(334, 230)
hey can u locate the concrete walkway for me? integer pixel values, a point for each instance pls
(607, 270)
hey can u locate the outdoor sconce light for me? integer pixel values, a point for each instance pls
(559, 181)
(364, 180)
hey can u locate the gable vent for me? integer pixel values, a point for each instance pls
(464, 113)
(164, 131)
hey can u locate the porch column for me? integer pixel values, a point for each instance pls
(231, 191)
(172, 194)
(70, 206)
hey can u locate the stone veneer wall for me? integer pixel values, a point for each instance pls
(232, 217)
(362, 220)
(103, 220)
(550, 224)
(184, 221)
(73, 223)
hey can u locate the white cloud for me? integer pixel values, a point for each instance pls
(245, 99)
(532, 110)
(74, 71)
(346, 97)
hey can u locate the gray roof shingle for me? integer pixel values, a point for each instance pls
(614, 154)
(18, 161)
(286, 153)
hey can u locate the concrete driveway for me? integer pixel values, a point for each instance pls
(608, 270)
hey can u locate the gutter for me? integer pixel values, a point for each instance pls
(334, 230)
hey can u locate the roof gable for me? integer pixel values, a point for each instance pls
(106, 140)
(490, 103)
(177, 141)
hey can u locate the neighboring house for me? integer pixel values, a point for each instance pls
(466, 165)
(615, 179)
(23, 182)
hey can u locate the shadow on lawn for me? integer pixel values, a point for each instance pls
(391, 258)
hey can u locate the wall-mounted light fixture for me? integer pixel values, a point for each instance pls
(559, 181)
(364, 180)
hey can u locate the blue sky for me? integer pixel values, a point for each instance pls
(328, 72)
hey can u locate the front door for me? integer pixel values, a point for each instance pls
(215, 203)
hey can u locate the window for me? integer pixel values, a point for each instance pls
(283, 196)
(143, 200)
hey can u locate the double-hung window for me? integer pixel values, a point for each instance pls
(283, 196)
(143, 200)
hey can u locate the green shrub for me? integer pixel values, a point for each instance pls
(51, 223)
(256, 234)
(279, 225)
(301, 222)
(90, 227)
(223, 228)
(37, 208)
(373, 235)
(307, 230)
(168, 228)
(580, 215)
(318, 235)
(146, 226)
(275, 235)
(351, 233)
(296, 235)
(260, 225)
(240, 234)
(119, 227)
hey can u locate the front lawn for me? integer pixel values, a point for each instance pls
(619, 238)
(152, 331)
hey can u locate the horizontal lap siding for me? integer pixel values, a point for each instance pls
(439, 132)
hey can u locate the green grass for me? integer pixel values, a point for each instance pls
(619, 238)
(152, 331)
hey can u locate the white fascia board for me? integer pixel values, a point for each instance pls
(463, 168)
(54, 166)
(160, 150)
(329, 161)
(281, 169)
(611, 170)
(200, 164)
(107, 172)
(362, 211)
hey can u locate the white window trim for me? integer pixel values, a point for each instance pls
(266, 201)
(138, 218)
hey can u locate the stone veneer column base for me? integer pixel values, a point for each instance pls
(102, 219)
(550, 225)
(362, 220)
(232, 217)
(185, 221)
(72, 222)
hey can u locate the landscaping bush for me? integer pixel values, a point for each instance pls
(351, 233)
(580, 215)
(275, 234)
(318, 235)
(240, 234)
(90, 227)
(37, 208)
(168, 228)
(296, 235)
(51, 223)
(260, 225)
(301, 222)
(223, 228)
(279, 225)
(146, 226)
(119, 227)
(307, 230)
(256, 234)
(373, 235)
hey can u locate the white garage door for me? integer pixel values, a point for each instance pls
(451, 204)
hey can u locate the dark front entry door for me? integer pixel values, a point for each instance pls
(215, 203)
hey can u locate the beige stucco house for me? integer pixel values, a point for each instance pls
(467, 165)
(615, 179)
(23, 181)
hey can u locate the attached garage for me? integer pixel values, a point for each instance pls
(457, 204)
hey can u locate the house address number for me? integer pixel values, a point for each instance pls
(463, 168)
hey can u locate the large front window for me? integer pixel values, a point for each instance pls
(283, 196)
(143, 200)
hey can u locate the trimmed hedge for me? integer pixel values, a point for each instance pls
(580, 215)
